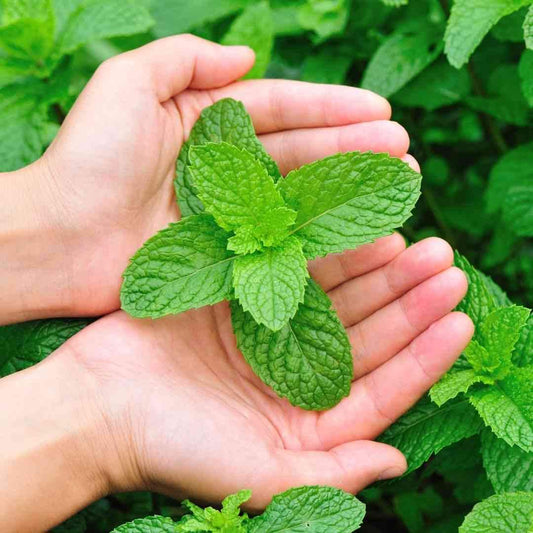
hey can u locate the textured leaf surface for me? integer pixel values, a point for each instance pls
(150, 524)
(227, 121)
(470, 21)
(501, 513)
(528, 28)
(507, 408)
(426, 429)
(509, 468)
(523, 353)
(452, 384)
(237, 190)
(518, 210)
(525, 70)
(182, 267)
(103, 19)
(254, 28)
(25, 344)
(308, 361)
(349, 199)
(270, 284)
(310, 509)
(400, 58)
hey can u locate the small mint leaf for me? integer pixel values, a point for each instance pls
(150, 524)
(184, 266)
(270, 284)
(454, 383)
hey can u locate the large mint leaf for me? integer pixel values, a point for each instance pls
(103, 19)
(501, 513)
(25, 344)
(470, 21)
(150, 524)
(237, 190)
(349, 199)
(184, 266)
(402, 56)
(518, 210)
(308, 361)
(426, 429)
(254, 28)
(454, 383)
(509, 468)
(311, 509)
(528, 28)
(270, 284)
(227, 121)
(507, 409)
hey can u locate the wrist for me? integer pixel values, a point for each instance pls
(34, 274)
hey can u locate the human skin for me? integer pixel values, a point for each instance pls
(171, 405)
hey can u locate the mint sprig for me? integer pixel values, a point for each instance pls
(247, 237)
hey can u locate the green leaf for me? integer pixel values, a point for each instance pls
(395, 3)
(311, 509)
(237, 190)
(437, 86)
(150, 524)
(25, 344)
(506, 408)
(349, 199)
(509, 468)
(184, 266)
(510, 28)
(270, 285)
(254, 28)
(523, 352)
(470, 21)
(328, 65)
(528, 28)
(402, 56)
(501, 513)
(518, 210)
(454, 383)
(426, 429)
(101, 20)
(525, 70)
(514, 169)
(324, 17)
(308, 361)
(227, 121)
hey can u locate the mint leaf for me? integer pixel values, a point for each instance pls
(25, 344)
(254, 28)
(402, 56)
(100, 20)
(312, 509)
(525, 70)
(454, 383)
(508, 468)
(518, 210)
(328, 65)
(308, 361)
(501, 513)
(150, 524)
(237, 190)
(324, 18)
(270, 284)
(349, 199)
(395, 3)
(426, 429)
(227, 121)
(470, 21)
(184, 266)
(507, 409)
(528, 28)
(523, 352)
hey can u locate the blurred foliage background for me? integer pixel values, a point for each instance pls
(460, 78)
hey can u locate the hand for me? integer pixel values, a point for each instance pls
(105, 184)
(190, 419)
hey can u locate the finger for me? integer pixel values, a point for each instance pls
(350, 466)
(408, 269)
(168, 66)
(412, 162)
(381, 397)
(389, 330)
(335, 269)
(277, 105)
(294, 148)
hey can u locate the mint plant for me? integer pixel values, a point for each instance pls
(247, 238)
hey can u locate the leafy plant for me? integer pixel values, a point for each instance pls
(252, 243)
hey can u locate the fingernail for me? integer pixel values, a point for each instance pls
(391, 472)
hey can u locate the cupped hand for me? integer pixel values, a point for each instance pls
(107, 177)
(184, 414)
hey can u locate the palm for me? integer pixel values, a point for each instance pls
(200, 418)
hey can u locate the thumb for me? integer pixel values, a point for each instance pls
(351, 467)
(173, 64)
